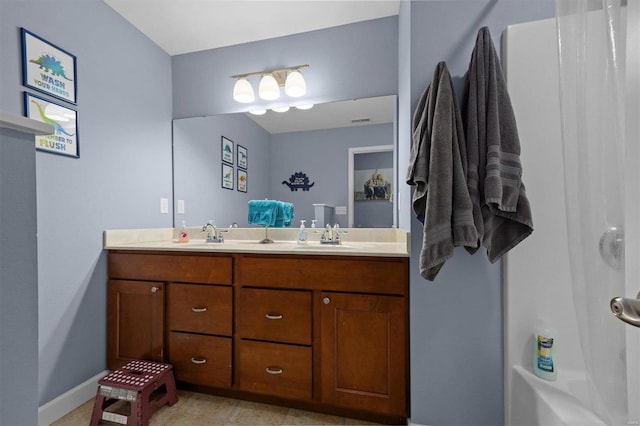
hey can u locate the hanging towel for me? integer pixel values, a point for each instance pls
(501, 210)
(270, 213)
(284, 214)
(437, 167)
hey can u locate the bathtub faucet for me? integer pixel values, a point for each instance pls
(628, 310)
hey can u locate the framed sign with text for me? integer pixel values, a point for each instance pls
(48, 68)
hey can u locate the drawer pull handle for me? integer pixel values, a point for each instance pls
(273, 317)
(199, 360)
(198, 310)
(274, 371)
(154, 289)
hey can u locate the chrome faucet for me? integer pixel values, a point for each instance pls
(627, 310)
(214, 235)
(332, 235)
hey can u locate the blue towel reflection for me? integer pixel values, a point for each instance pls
(272, 213)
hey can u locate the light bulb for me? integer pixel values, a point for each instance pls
(258, 112)
(243, 92)
(268, 89)
(295, 85)
(280, 109)
(308, 106)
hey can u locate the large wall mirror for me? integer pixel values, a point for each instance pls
(264, 154)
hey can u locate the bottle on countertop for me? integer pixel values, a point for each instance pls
(183, 235)
(302, 233)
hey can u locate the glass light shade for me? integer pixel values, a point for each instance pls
(295, 85)
(268, 89)
(243, 92)
(258, 112)
(308, 106)
(280, 109)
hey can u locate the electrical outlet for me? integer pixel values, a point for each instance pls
(180, 206)
(164, 205)
(341, 210)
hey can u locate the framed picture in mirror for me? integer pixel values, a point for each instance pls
(242, 180)
(227, 176)
(227, 150)
(242, 157)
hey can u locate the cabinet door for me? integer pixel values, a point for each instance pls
(364, 352)
(135, 321)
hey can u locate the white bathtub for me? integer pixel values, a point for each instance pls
(535, 401)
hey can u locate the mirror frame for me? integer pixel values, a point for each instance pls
(352, 154)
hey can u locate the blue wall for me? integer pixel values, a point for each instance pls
(124, 113)
(197, 168)
(323, 156)
(346, 62)
(456, 321)
(18, 280)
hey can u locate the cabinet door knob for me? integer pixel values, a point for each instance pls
(326, 300)
(273, 317)
(198, 310)
(274, 370)
(154, 289)
(199, 360)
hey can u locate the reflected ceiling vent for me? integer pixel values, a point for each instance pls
(360, 120)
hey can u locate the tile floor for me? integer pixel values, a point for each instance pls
(196, 409)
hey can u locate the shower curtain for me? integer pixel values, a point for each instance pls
(600, 138)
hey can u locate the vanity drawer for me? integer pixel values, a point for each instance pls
(275, 369)
(201, 360)
(275, 315)
(171, 267)
(197, 308)
(380, 275)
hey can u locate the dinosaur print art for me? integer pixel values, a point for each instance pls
(54, 123)
(51, 65)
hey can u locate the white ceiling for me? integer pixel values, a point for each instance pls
(358, 112)
(184, 26)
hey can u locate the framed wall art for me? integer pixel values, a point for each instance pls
(48, 68)
(227, 150)
(242, 157)
(64, 140)
(242, 180)
(227, 176)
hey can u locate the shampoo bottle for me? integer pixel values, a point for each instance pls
(544, 348)
(302, 233)
(183, 236)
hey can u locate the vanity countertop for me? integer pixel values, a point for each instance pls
(355, 242)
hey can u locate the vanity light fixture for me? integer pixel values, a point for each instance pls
(270, 83)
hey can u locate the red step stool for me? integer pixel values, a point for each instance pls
(141, 384)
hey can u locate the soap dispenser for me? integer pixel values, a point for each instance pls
(183, 236)
(302, 233)
(313, 223)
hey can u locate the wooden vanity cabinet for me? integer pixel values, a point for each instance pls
(353, 311)
(135, 321)
(317, 332)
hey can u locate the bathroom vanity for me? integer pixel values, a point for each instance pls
(306, 326)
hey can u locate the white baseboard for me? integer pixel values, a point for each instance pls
(68, 401)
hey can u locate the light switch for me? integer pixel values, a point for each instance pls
(164, 205)
(180, 206)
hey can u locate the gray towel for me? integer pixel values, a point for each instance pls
(501, 210)
(437, 167)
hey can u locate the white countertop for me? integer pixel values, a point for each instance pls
(355, 242)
